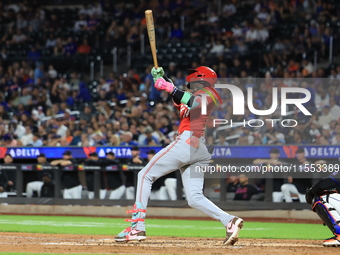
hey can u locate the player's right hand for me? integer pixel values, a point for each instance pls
(157, 73)
(161, 84)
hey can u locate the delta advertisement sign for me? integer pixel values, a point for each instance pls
(318, 152)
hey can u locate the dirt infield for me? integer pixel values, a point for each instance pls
(57, 243)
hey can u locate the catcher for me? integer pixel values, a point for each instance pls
(325, 200)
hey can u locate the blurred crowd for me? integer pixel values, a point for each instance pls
(40, 106)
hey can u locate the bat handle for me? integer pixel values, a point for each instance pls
(155, 61)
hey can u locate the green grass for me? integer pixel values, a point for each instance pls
(180, 228)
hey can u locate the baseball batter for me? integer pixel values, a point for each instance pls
(186, 152)
(325, 200)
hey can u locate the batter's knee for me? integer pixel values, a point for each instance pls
(145, 175)
(194, 199)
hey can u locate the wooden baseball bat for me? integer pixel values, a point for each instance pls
(150, 26)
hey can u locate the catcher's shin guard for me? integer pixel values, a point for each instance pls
(330, 216)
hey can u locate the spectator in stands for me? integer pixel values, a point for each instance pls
(228, 9)
(17, 129)
(54, 140)
(54, 24)
(70, 179)
(326, 132)
(60, 127)
(51, 41)
(262, 33)
(39, 72)
(36, 22)
(34, 54)
(9, 141)
(252, 34)
(36, 184)
(86, 10)
(59, 47)
(96, 9)
(334, 108)
(325, 117)
(38, 113)
(36, 140)
(321, 98)
(52, 73)
(81, 24)
(176, 33)
(245, 190)
(217, 47)
(28, 137)
(70, 48)
(126, 137)
(84, 48)
(86, 114)
(246, 138)
(150, 139)
(18, 38)
(92, 23)
(76, 137)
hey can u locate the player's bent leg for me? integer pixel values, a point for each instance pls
(327, 208)
(193, 183)
(165, 161)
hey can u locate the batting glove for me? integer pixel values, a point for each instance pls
(161, 84)
(157, 73)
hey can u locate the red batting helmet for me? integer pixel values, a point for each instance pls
(202, 74)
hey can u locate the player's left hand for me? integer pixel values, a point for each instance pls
(157, 73)
(161, 84)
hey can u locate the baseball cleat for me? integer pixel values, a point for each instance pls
(130, 234)
(333, 241)
(137, 230)
(233, 229)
